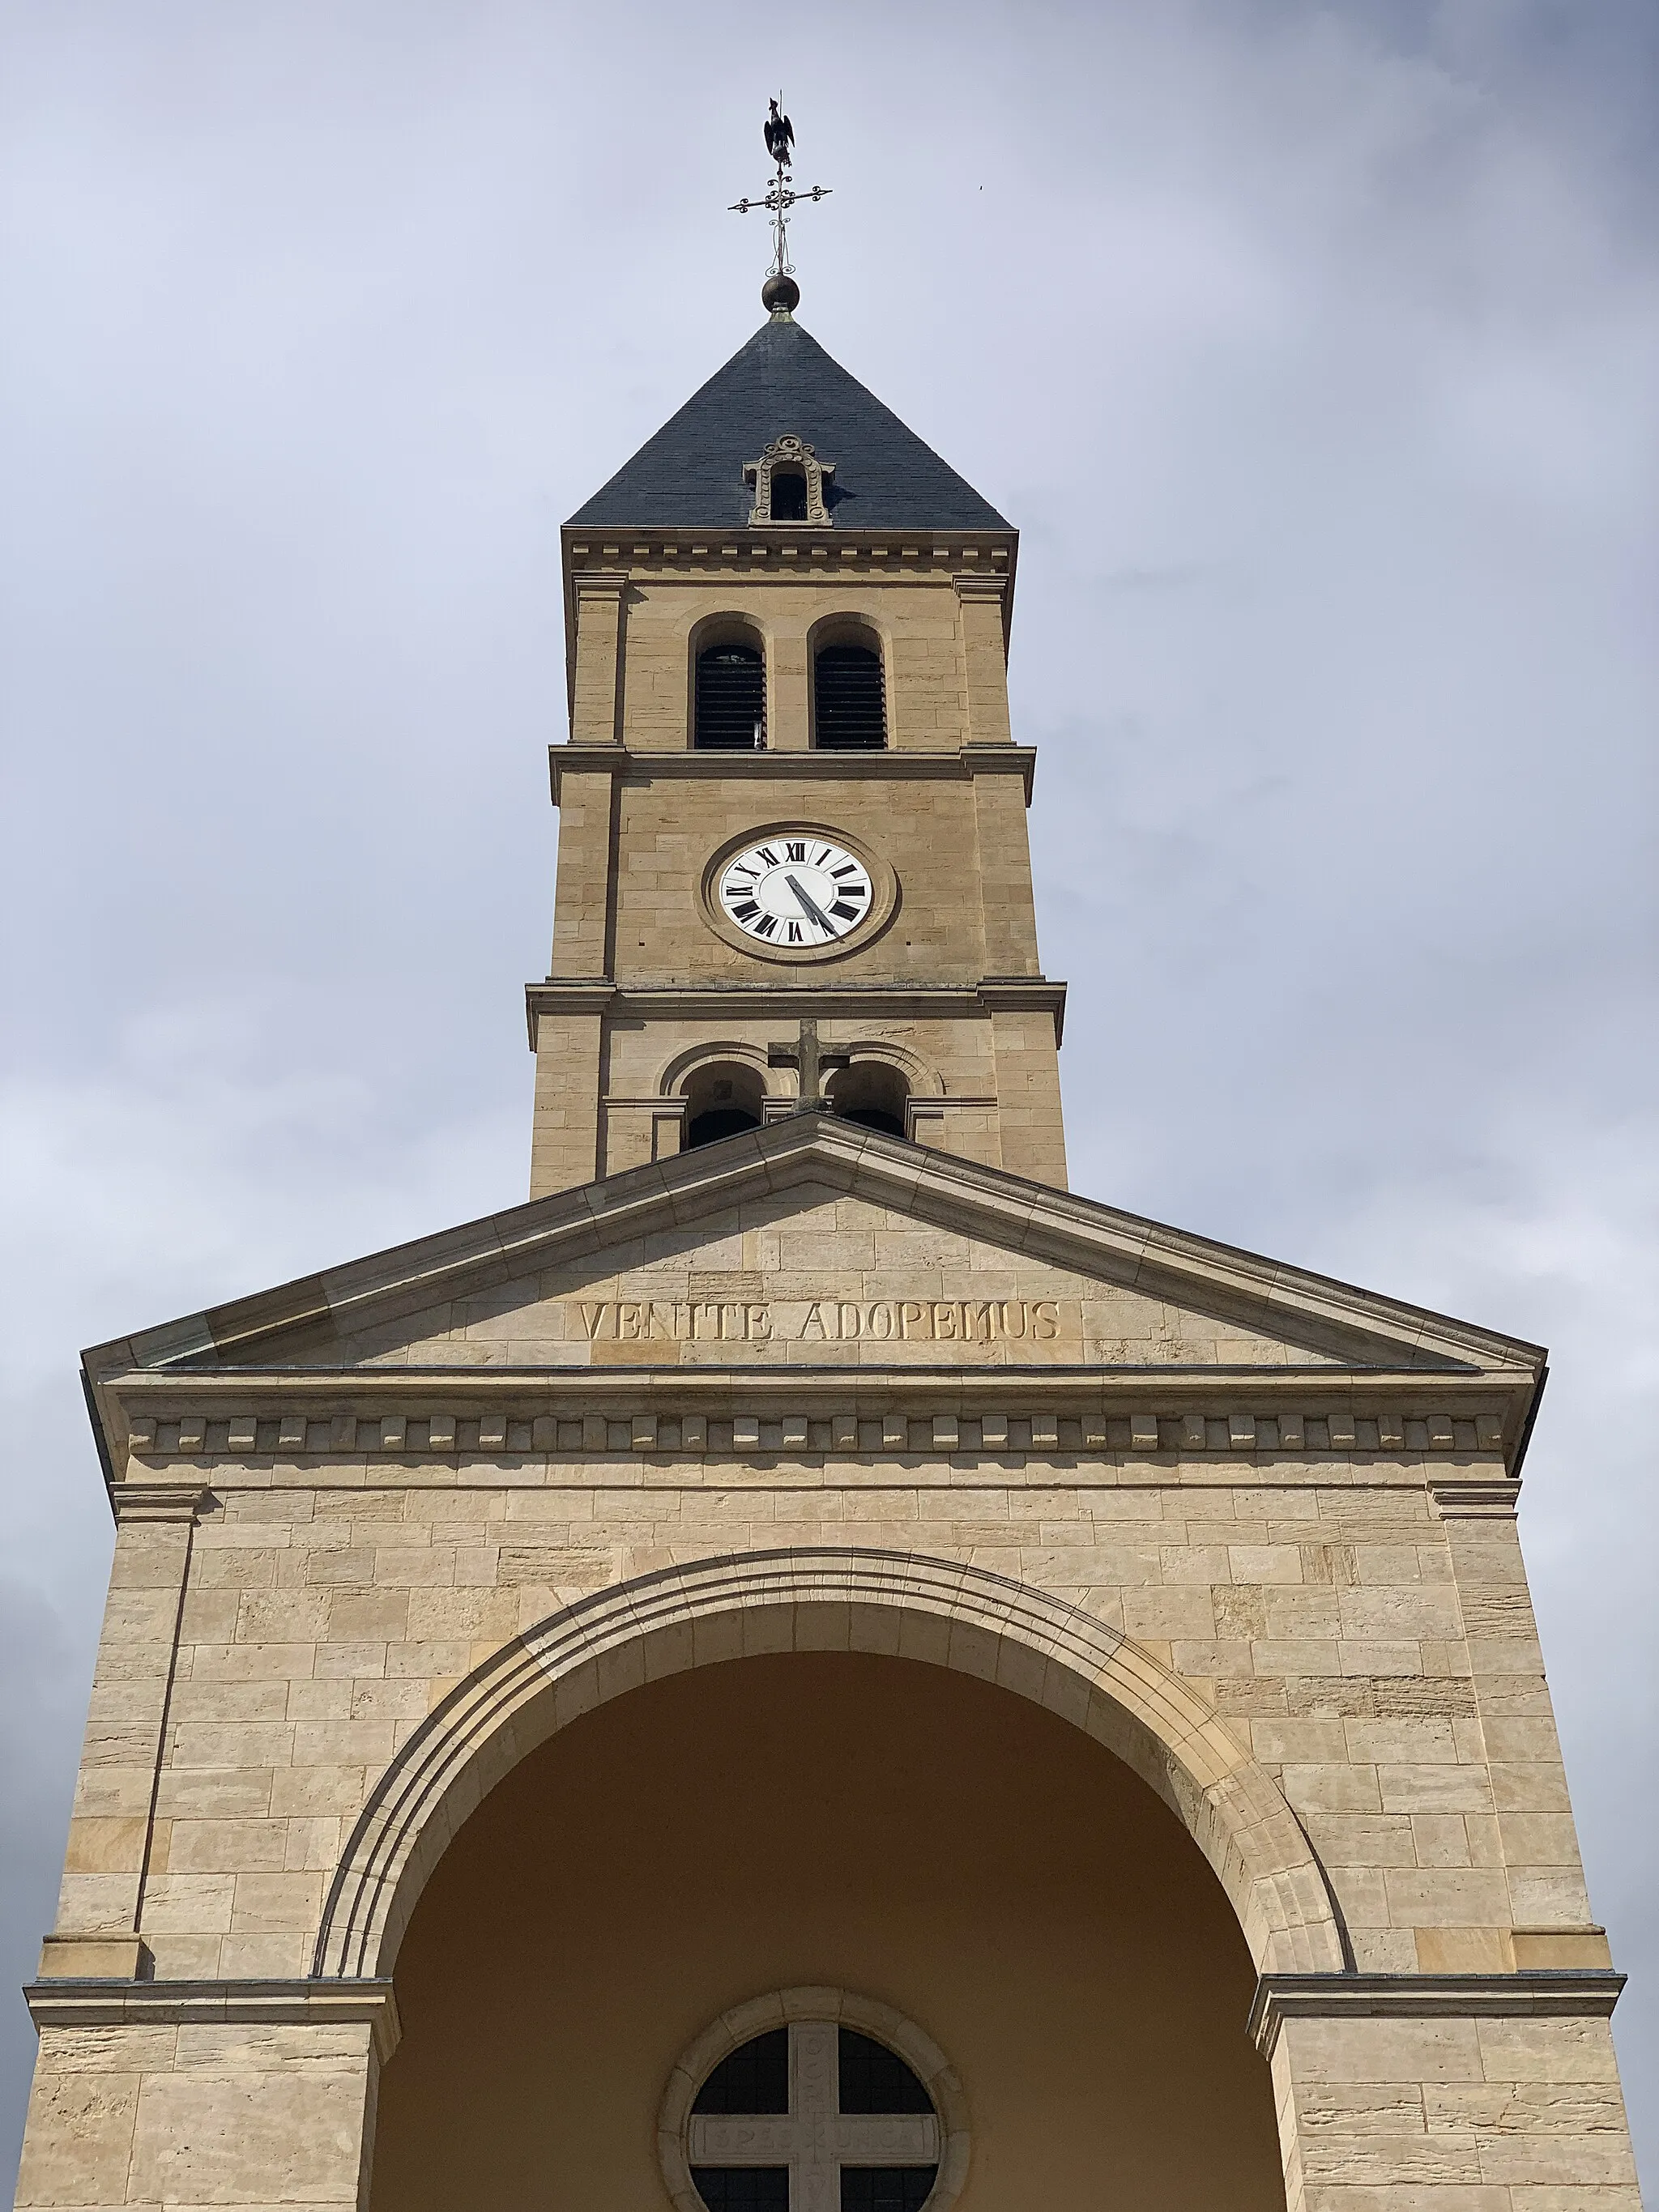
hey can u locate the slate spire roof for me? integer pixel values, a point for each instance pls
(783, 382)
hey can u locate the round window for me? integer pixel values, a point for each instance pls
(813, 2101)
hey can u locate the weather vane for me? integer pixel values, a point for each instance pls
(780, 290)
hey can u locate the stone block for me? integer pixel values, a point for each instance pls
(201, 2138)
(78, 2144)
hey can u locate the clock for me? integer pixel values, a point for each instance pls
(795, 889)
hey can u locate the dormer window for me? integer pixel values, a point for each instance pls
(788, 495)
(790, 484)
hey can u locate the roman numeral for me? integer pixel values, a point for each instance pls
(843, 912)
(795, 852)
(770, 856)
(823, 856)
(794, 933)
(767, 926)
(846, 868)
(746, 912)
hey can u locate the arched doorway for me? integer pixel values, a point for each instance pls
(840, 1818)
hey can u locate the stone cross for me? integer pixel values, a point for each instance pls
(813, 1064)
(815, 2139)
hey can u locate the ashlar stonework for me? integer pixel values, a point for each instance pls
(382, 1532)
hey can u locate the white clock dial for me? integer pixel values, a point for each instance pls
(793, 889)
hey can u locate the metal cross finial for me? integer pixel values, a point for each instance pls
(780, 292)
(813, 1064)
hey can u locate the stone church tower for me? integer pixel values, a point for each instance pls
(806, 1666)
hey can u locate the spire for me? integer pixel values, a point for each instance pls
(779, 294)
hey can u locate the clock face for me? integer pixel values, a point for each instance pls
(795, 891)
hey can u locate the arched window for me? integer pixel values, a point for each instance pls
(873, 1094)
(730, 698)
(849, 705)
(722, 1100)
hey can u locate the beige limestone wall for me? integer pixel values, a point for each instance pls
(204, 2113)
(1318, 1613)
(641, 819)
(870, 1824)
(925, 829)
(1374, 1655)
(928, 654)
(1429, 2114)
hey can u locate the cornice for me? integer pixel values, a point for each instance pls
(896, 764)
(1571, 1992)
(242, 1424)
(832, 1000)
(311, 2003)
(778, 549)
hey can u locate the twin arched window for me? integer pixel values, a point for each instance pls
(725, 1098)
(849, 695)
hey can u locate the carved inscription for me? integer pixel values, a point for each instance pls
(982, 1322)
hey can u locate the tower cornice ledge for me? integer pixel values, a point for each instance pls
(804, 766)
(843, 1000)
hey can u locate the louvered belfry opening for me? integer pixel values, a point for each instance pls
(850, 706)
(731, 702)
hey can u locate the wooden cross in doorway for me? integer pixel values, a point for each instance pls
(813, 1064)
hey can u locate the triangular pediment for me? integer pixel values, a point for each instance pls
(816, 1243)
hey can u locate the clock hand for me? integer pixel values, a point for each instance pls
(812, 913)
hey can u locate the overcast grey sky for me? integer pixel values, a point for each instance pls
(1312, 348)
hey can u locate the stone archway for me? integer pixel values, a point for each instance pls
(939, 1611)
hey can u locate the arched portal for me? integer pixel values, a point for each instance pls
(824, 1837)
(811, 1599)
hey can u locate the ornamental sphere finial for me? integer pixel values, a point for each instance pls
(780, 294)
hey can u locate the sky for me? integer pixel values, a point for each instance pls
(1313, 350)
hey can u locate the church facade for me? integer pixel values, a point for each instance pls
(808, 1666)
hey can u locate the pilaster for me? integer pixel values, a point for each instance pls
(985, 658)
(568, 1034)
(584, 893)
(1494, 2092)
(1548, 1902)
(596, 685)
(201, 2093)
(101, 1898)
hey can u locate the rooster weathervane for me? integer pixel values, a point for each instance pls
(780, 293)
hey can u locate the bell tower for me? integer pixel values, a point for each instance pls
(791, 793)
